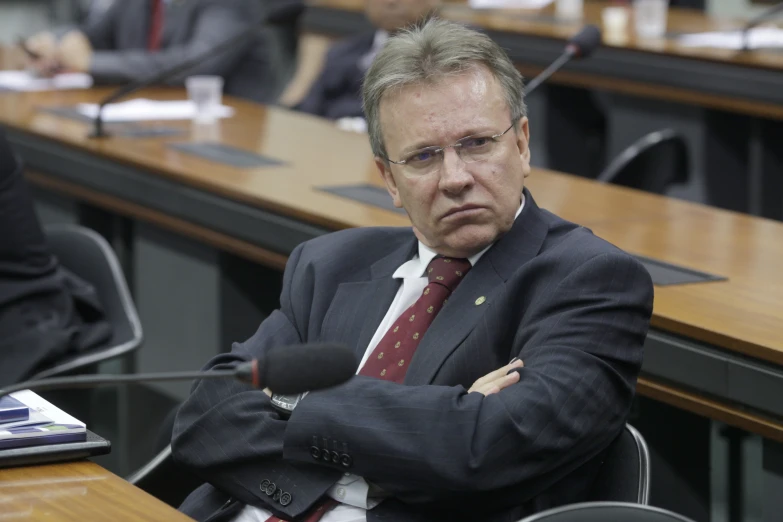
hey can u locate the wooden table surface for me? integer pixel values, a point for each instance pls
(77, 492)
(743, 314)
(683, 79)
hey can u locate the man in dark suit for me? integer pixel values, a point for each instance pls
(45, 312)
(336, 93)
(434, 427)
(139, 38)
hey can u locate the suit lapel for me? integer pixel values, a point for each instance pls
(486, 280)
(359, 307)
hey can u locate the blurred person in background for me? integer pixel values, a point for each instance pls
(336, 93)
(46, 312)
(128, 40)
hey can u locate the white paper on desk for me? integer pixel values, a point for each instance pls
(758, 38)
(509, 4)
(143, 109)
(27, 81)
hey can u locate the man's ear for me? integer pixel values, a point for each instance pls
(523, 139)
(391, 185)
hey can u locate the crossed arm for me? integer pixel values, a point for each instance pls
(426, 443)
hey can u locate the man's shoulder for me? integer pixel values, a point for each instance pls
(352, 45)
(576, 244)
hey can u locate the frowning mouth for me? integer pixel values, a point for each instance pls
(463, 211)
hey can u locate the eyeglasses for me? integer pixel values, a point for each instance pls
(471, 149)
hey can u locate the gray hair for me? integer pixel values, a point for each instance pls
(430, 52)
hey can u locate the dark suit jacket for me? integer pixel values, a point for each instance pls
(45, 311)
(573, 307)
(337, 92)
(191, 27)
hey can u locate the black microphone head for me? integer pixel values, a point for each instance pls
(286, 13)
(583, 43)
(296, 369)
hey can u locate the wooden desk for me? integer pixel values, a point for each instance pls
(741, 82)
(77, 492)
(730, 327)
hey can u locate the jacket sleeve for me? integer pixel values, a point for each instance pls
(229, 435)
(213, 25)
(582, 351)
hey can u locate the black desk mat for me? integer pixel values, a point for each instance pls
(126, 129)
(220, 153)
(368, 194)
(662, 273)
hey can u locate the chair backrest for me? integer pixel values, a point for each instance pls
(164, 479)
(653, 163)
(624, 475)
(89, 256)
(606, 512)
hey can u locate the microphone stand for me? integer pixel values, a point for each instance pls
(283, 15)
(243, 372)
(753, 22)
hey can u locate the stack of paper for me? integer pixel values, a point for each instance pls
(46, 424)
(758, 38)
(143, 109)
(27, 81)
(509, 4)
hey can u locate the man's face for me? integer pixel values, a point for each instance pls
(459, 208)
(392, 15)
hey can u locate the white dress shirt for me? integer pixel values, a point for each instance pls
(352, 491)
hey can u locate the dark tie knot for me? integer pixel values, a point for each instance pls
(447, 271)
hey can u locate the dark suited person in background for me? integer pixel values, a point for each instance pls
(337, 92)
(134, 39)
(434, 427)
(45, 312)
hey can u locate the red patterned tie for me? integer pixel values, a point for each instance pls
(156, 25)
(391, 358)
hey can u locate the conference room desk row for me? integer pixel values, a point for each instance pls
(727, 104)
(77, 492)
(203, 244)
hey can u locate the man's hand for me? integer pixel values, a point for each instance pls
(44, 45)
(495, 381)
(75, 52)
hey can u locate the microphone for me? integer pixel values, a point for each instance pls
(756, 20)
(287, 370)
(285, 14)
(581, 45)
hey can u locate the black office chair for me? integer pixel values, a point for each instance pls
(625, 472)
(606, 512)
(89, 256)
(653, 163)
(164, 479)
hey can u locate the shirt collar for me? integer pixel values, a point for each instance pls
(417, 266)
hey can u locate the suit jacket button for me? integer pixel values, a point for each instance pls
(326, 456)
(346, 460)
(335, 458)
(286, 499)
(264, 485)
(277, 495)
(315, 452)
(270, 489)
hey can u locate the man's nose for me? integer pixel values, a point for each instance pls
(454, 175)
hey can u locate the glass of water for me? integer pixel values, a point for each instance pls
(650, 17)
(206, 92)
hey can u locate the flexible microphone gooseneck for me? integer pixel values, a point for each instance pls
(756, 20)
(580, 45)
(285, 14)
(286, 370)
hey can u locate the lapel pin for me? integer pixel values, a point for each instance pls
(480, 301)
